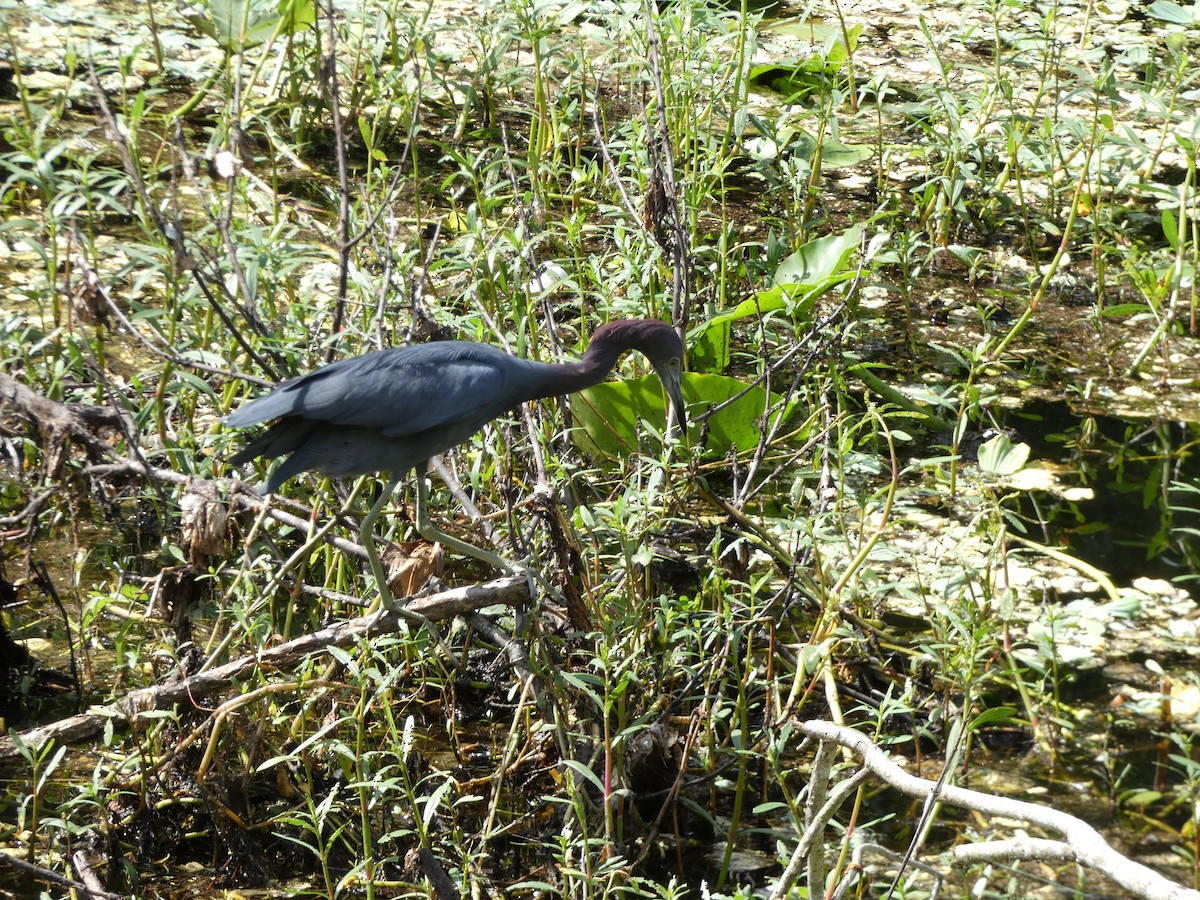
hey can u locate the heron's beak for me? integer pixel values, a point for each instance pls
(671, 376)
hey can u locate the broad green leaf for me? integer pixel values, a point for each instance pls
(434, 801)
(609, 414)
(739, 424)
(819, 259)
(966, 255)
(1140, 797)
(709, 350)
(584, 773)
(829, 37)
(1170, 228)
(237, 24)
(802, 145)
(836, 155)
(801, 279)
(297, 14)
(569, 13)
(803, 75)
(813, 30)
(1000, 715)
(835, 48)
(792, 77)
(709, 344)
(617, 417)
(1124, 309)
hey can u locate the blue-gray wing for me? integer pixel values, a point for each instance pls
(400, 391)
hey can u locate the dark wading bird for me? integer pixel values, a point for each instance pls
(392, 410)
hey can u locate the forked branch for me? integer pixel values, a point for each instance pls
(1080, 843)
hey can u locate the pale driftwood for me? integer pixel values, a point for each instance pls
(1080, 843)
(511, 591)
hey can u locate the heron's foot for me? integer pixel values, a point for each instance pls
(389, 602)
(433, 586)
(527, 568)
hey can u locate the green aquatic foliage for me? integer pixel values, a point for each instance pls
(615, 417)
(799, 281)
(799, 77)
(1000, 456)
(239, 24)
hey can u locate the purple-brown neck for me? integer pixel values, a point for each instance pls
(656, 340)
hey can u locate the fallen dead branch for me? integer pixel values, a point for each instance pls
(59, 422)
(89, 887)
(1080, 842)
(511, 591)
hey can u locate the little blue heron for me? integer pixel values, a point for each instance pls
(390, 411)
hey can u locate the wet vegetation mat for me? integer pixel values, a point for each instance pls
(907, 608)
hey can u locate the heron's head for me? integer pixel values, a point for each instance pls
(660, 344)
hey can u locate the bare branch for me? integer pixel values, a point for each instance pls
(511, 591)
(1085, 844)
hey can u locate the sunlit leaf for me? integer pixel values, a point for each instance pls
(434, 801)
(1000, 715)
(791, 77)
(617, 417)
(1170, 229)
(709, 345)
(1124, 309)
(1141, 798)
(819, 259)
(608, 415)
(836, 155)
(1000, 456)
(829, 37)
(237, 24)
(709, 350)
(1173, 12)
(800, 280)
(297, 14)
(739, 424)
(584, 773)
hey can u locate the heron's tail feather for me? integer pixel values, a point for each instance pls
(280, 439)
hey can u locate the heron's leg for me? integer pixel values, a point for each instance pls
(366, 537)
(426, 530)
(386, 602)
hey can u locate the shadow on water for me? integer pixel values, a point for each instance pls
(1144, 512)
